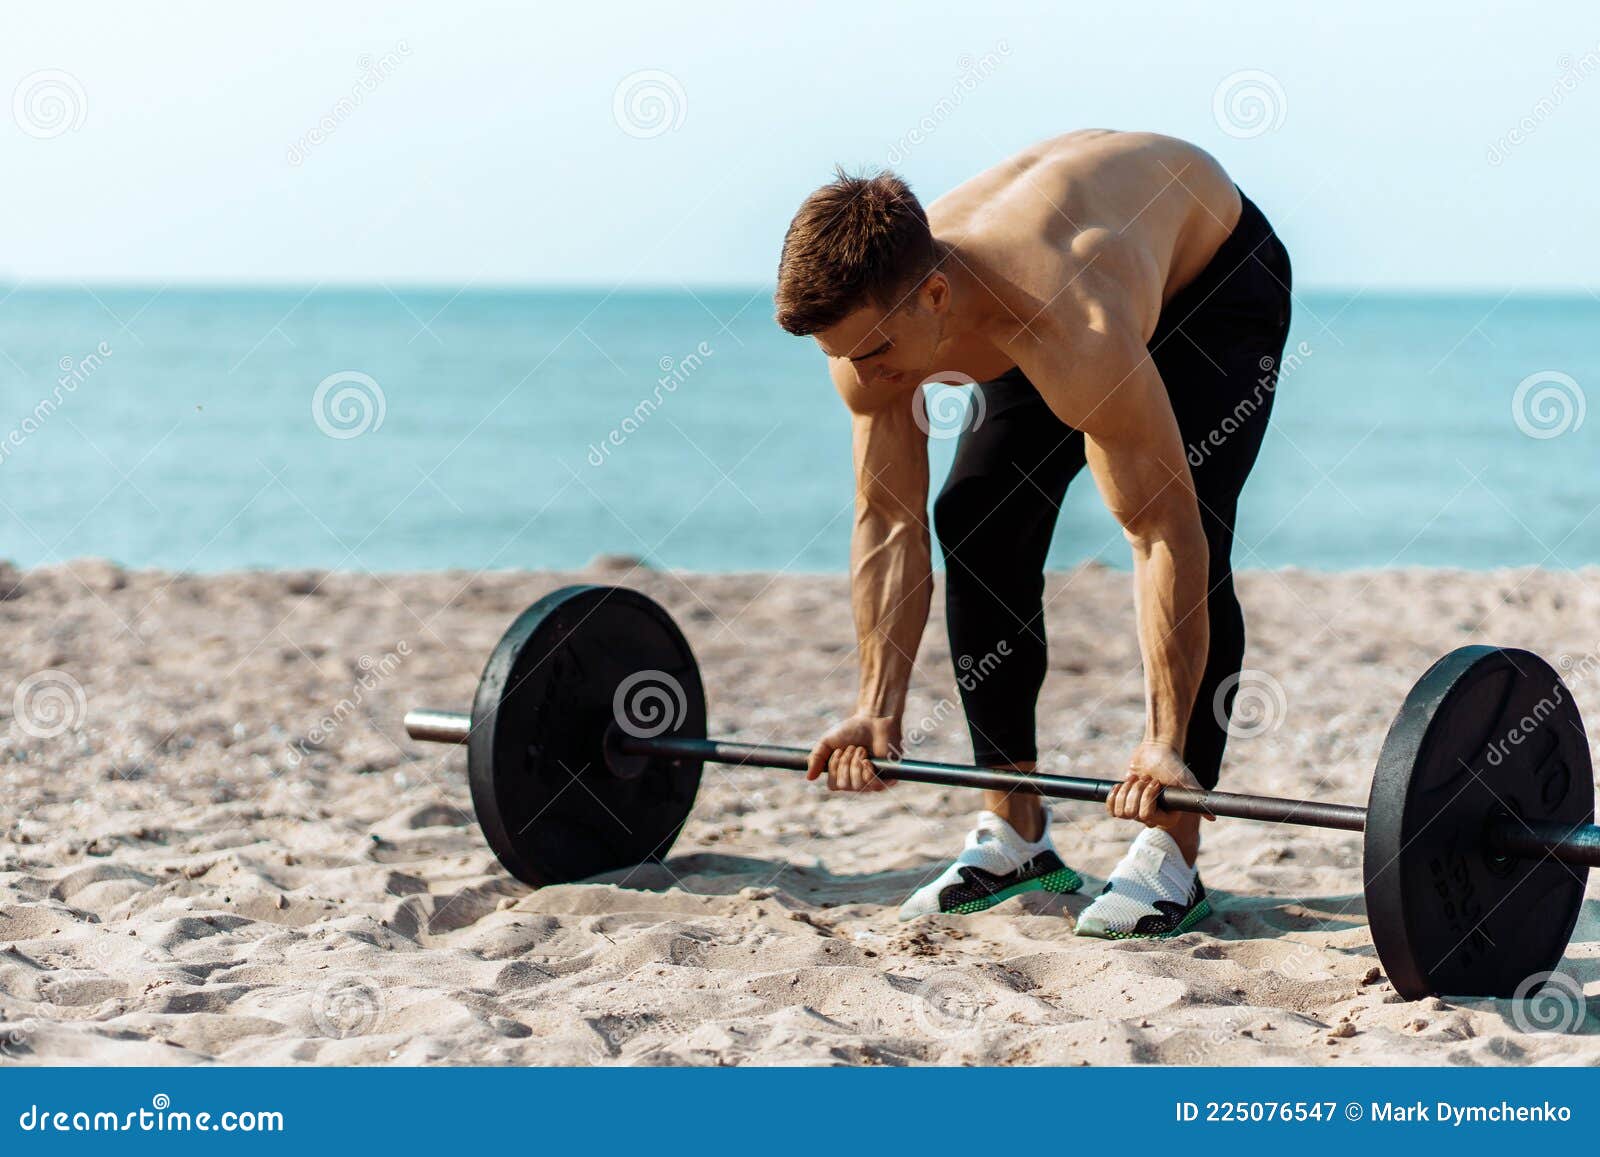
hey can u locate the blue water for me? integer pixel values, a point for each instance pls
(191, 440)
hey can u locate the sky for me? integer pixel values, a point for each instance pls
(1394, 145)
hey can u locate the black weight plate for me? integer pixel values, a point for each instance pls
(1486, 734)
(549, 804)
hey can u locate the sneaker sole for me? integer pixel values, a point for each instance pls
(1061, 882)
(1198, 913)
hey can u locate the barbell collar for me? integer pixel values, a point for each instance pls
(432, 726)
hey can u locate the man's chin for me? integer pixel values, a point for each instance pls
(946, 378)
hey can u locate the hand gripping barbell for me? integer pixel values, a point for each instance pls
(587, 735)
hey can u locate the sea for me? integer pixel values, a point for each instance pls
(400, 429)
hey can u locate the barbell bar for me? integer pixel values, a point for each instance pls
(1508, 837)
(587, 736)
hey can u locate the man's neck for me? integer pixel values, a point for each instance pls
(974, 311)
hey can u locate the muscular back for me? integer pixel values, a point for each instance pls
(1088, 216)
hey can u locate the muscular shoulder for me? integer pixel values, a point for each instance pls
(1086, 353)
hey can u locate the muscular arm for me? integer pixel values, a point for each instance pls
(1112, 391)
(891, 577)
(1142, 475)
(891, 574)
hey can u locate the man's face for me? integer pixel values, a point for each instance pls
(894, 347)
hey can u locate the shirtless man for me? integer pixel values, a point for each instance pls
(1121, 305)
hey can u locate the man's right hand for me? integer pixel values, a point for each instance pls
(845, 753)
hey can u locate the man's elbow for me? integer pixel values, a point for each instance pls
(888, 513)
(877, 534)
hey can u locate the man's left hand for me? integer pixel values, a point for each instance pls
(1153, 767)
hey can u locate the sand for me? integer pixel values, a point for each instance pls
(198, 867)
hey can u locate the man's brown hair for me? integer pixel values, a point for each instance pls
(857, 240)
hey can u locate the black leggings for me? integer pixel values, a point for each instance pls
(1217, 347)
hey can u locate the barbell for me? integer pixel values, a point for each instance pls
(587, 736)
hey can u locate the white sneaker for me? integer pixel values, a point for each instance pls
(995, 865)
(1152, 892)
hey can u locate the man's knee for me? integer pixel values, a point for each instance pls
(1226, 626)
(959, 510)
(982, 528)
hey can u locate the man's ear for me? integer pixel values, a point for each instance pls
(935, 293)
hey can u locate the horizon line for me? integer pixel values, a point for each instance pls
(10, 285)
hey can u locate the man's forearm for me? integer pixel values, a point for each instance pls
(890, 591)
(1171, 575)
